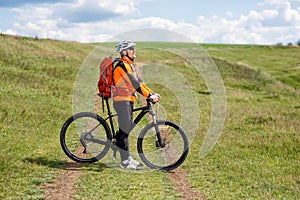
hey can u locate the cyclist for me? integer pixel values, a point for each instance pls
(127, 83)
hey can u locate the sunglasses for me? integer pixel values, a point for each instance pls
(131, 48)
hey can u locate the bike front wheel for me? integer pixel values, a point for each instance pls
(85, 137)
(169, 156)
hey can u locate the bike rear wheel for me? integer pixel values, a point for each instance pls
(169, 157)
(85, 137)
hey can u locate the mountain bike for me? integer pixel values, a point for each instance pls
(86, 137)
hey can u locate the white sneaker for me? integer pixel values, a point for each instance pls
(134, 161)
(130, 163)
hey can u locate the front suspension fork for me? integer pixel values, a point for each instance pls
(159, 143)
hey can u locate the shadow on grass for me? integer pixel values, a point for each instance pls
(65, 165)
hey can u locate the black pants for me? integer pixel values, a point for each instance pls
(125, 121)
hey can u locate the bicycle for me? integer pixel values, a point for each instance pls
(86, 137)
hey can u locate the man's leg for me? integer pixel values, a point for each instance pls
(124, 111)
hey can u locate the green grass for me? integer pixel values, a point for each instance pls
(256, 157)
(36, 84)
(283, 63)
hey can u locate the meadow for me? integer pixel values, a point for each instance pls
(257, 155)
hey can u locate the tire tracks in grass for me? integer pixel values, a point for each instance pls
(64, 186)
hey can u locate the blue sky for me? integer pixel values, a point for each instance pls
(213, 21)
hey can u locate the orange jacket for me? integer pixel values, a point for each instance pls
(127, 82)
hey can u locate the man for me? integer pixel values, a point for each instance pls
(127, 83)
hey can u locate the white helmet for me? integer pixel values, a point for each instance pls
(124, 45)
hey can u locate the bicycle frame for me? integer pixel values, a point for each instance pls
(144, 110)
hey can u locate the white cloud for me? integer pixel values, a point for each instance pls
(94, 10)
(126, 7)
(267, 26)
(286, 14)
(33, 21)
(33, 13)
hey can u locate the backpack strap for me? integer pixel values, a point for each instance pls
(114, 65)
(121, 64)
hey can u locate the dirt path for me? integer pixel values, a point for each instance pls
(182, 185)
(64, 186)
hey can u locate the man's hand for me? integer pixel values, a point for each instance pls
(154, 97)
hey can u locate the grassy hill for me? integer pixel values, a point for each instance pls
(256, 157)
(282, 63)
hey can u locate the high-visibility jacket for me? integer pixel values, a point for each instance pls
(127, 82)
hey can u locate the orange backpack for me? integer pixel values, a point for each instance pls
(106, 81)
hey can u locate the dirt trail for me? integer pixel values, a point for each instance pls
(64, 186)
(182, 185)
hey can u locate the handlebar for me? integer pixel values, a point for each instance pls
(149, 100)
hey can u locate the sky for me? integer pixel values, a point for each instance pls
(211, 21)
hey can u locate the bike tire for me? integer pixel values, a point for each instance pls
(85, 137)
(163, 158)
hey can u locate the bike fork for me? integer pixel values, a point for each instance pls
(159, 143)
